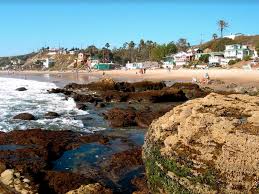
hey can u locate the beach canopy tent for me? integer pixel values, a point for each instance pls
(103, 66)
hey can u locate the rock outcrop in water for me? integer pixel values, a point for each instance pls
(107, 90)
(207, 145)
(25, 116)
(21, 89)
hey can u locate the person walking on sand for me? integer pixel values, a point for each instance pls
(206, 78)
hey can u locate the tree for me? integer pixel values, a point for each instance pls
(222, 26)
(214, 36)
(142, 44)
(161, 51)
(257, 48)
(107, 45)
(131, 46)
(182, 44)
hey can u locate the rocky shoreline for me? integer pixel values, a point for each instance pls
(42, 161)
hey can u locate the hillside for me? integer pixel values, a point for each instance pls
(219, 44)
(61, 61)
(19, 60)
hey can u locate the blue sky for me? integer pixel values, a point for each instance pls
(28, 26)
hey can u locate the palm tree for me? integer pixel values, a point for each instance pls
(222, 26)
(214, 36)
(131, 46)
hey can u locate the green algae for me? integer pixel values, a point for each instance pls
(157, 167)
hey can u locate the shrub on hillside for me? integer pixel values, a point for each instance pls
(232, 62)
(204, 58)
(218, 44)
(247, 58)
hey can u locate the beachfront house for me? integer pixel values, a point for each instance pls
(182, 58)
(216, 58)
(80, 57)
(168, 62)
(92, 61)
(133, 66)
(47, 63)
(237, 51)
(233, 36)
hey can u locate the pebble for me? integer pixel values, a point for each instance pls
(17, 174)
(26, 180)
(7, 176)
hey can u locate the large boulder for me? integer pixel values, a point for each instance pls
(25, 116)
(206, 145)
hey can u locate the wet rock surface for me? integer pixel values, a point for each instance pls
(206, 145)
(31, 153)
(127, 117)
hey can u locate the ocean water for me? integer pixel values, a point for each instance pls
(37, 101)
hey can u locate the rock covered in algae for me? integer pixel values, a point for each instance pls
(206, 145)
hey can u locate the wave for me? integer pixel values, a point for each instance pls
(37, 101)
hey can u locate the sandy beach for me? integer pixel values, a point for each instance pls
(238, 76)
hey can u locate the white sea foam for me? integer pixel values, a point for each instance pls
(37, 101)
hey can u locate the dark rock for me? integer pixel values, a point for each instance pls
(190, 90)
(102, 85)
(24, 116)
(100, 105)
(74, 86)
(83, 97)
(104, 140)
(141, 185)
(51, 115)
(62, 182)
(168, 96)
(121, 117)
(145, 118)
(2, 167)
(121, 163)
(21, 89)
(81, 106)
(148, 85)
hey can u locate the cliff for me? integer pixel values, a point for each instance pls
(206, 145)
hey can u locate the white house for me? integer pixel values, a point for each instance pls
(72, 52)
(132, 66)
(168, 62)
(92, 61)
(233, 36)
(237, 51)
(53, 51)
(182, 58)
(255, 55)
(47, 62)
(216, 58)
